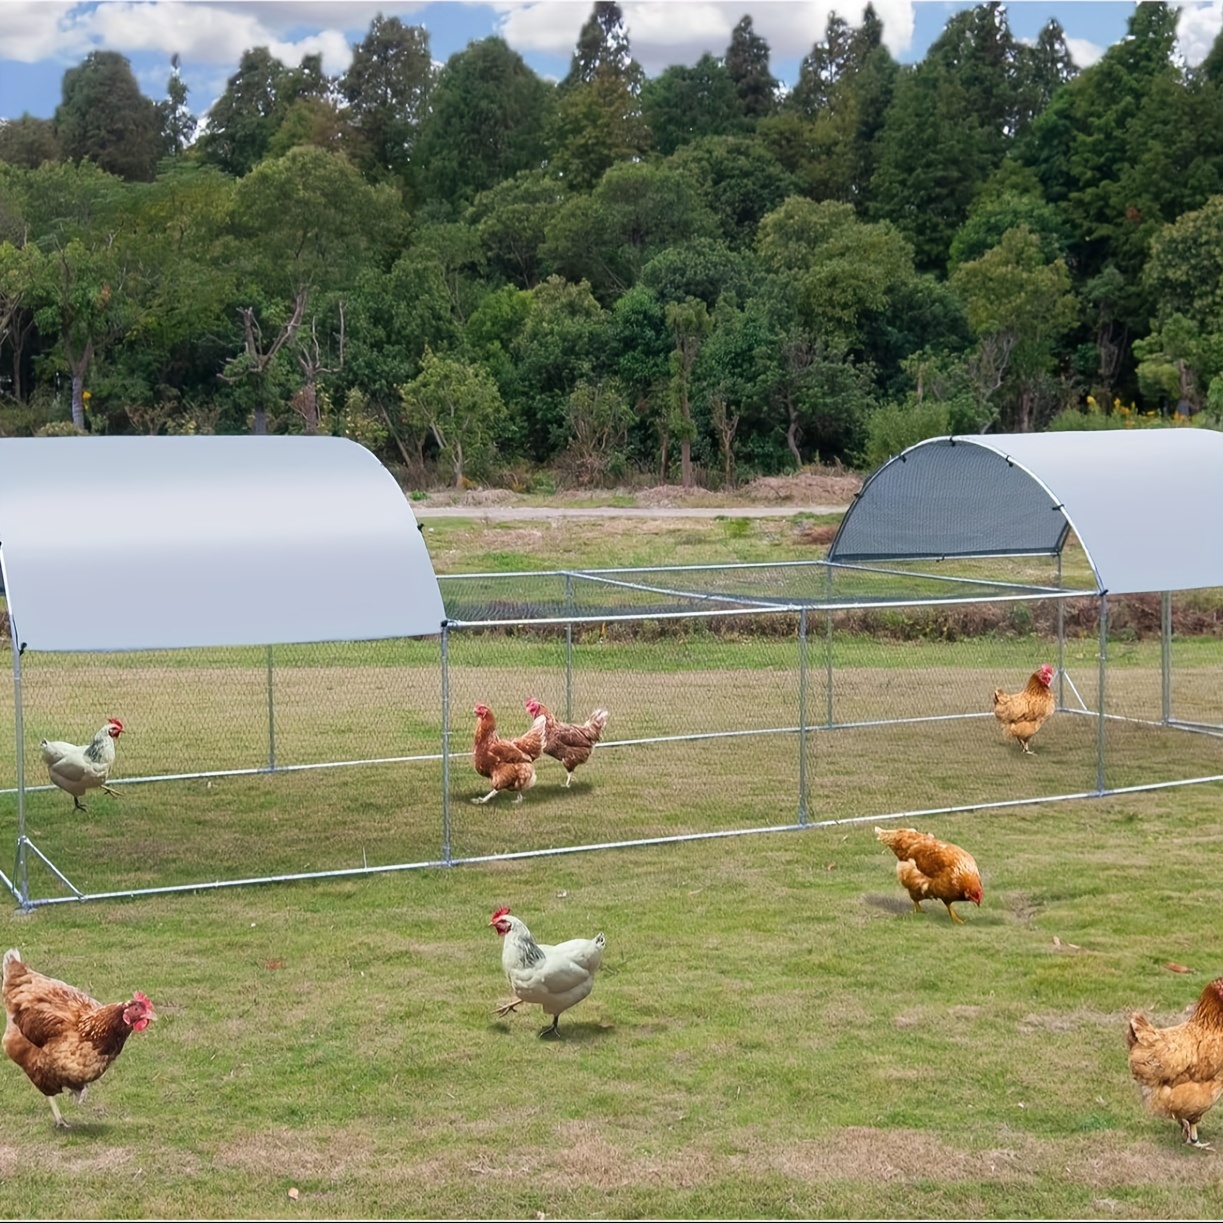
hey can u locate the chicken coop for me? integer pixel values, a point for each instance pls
(741, 698)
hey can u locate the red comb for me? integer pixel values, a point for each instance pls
(137, 996)
(501, 912)
(115, 722)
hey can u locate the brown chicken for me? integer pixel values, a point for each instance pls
(568, 743)
(60, 1037)
(1180, 1069)
(930, 869)
(508, 763)
(1022, 714)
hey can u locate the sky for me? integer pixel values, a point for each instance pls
(40, 39)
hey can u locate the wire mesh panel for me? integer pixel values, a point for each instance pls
(702, 735)
(203, 732)
(740, 698)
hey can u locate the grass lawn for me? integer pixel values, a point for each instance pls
(774, 1033)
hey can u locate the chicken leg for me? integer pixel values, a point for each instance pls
(955, 917)
(1191, 1137)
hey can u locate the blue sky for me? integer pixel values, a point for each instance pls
(39, 39)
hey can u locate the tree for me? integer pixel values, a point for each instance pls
(683, 104)
(738, 179)
(1182, 359)
(387, 88)
(636, 211)
(598, 120)
(825, 131)
(487, 122)
(29, 142)
(458, 404)
(305, 223)
(511, 221)
(950, 122)
(602, 49)
(175, 123)
(104, 118)
(597, 416)
(22, 269)
(747, 62)
(562, 340)
(690, 323)
(1081, 145)
(842, 270)
(244, 118)
(79, 298)
(1019, 306)
(596, 126)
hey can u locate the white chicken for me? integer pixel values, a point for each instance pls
(557, 977)
(77, 769)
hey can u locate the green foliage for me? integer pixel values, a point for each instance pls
(819, 236)
(486, 122)
(387, 87)
(683, 104)
(104, 118)
(458, 405)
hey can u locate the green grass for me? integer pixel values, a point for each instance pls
(774, 1032)
(773, 1035)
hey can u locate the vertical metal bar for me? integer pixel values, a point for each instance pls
(569, 648)
(802, 716)
(1061, 641)
(20, 864)
(271, 716)
(830, 712)
(445, 661)
(1165, 654)
(1103, 671)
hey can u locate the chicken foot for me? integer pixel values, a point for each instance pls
(60, 1123)
(507, 1007)
(554, 1030)
(80, 806)
(1192, 1139)
(955, 917)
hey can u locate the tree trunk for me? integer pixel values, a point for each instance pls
(77, 364)
(792, 437)
(260, 426)
(685, 463)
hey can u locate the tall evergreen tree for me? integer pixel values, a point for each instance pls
(488, 121)
(747, 61)
(387, 88)
(602, 49)
(176, 122)
(243, 119)
(104, 117)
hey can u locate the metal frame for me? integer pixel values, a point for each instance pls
(731, 605)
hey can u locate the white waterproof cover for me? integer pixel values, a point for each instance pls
(125, 543)
(1146, 504)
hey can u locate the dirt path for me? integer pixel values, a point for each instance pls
(510, 513)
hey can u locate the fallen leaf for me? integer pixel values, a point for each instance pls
(273, 963)
(293, 1194)
(1171, 967)
(830, 866)
(562, 895)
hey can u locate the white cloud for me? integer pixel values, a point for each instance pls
(1083, 51)
(1197, 29)
(40, 29)
(205, 33)
(666, 32)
